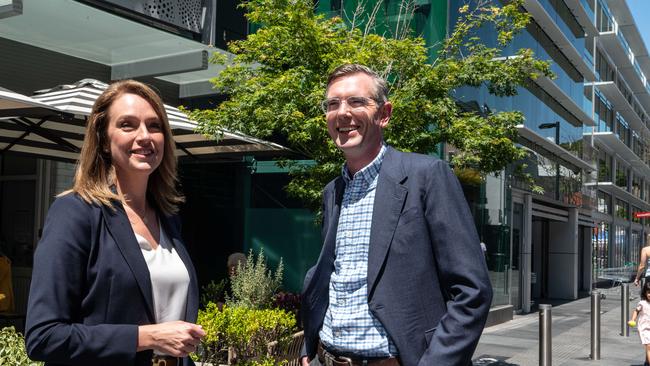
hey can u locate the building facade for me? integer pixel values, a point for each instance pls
(620, 101)
(586, 133)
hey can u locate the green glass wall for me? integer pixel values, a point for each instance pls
(290, 234)
(428, 19)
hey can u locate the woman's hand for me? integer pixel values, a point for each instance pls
(636, 282)
(177, 339)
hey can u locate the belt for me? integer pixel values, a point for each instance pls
(329, 359)
(158, 360)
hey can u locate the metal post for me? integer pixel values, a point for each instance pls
(625, 309)
(595, 325)
(545, 337)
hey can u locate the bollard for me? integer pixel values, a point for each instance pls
(545, 337)
(625, 309)
(595, 325)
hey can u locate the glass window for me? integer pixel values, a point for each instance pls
(604, 202)
(618, 253)
(621, 175)
(635, 210)
(605, 114)
(635, 247)
(604, 19)
(622, 209)
(603, 69)
(636, 186)
(604, 167)
(600, 245)
(622, 130)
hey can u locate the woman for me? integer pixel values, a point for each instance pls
(112, 281)
(644, 263)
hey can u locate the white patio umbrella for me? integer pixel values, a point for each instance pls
(28, 126)
(78, 99)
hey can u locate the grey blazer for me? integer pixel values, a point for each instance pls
(427, 279)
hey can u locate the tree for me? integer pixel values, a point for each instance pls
(276, 81)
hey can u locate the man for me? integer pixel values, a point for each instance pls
(401, 279)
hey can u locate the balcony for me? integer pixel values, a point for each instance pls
(621, 105)
(554, 32)
(551, 150)
(623, 42)
(610, 141)
(565, 100)
(583, 16)
(621, 193)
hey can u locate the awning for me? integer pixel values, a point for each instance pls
(59, 133)
(28, 126)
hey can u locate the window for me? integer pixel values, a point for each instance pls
(605, 114)
(618, 254)
(637, 188)
(622, 209)
(622, 130)
(635, 210)
(621, 175)
(604, 167)
(604, 19)
(600, 243)
(604, 203)
(603, 69)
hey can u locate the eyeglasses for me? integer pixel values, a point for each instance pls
(353, 102)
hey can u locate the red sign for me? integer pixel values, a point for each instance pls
(639, 215)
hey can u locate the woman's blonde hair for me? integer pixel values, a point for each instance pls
(95, 174)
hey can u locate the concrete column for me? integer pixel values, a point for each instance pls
(587, 255)
(526, 253)
(563, 258)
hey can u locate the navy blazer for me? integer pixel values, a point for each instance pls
(427, 278)
(91, 287)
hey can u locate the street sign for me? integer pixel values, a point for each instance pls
(641, 214)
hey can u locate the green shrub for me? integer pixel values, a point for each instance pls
(214, 292)
(12, 349)
(254, 286)
(245, 331)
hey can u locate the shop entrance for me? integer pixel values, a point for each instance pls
(540, 256)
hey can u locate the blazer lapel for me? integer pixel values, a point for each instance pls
(335, 200)
(325, 264)
(390, 196)
(120, 228)
(193, 292)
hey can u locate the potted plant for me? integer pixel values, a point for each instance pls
(249, 329)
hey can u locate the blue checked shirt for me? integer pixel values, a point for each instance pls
(349, 326)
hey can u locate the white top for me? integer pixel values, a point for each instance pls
(170, 279)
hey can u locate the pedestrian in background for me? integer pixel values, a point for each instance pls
(401, 279)
(641, 316)
(112, 282)
(644, 264)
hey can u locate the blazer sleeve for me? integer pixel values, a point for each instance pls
(55, 331)
(461, 269)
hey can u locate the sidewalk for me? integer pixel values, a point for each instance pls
(515, 343)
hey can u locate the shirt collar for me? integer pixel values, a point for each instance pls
(369, 172)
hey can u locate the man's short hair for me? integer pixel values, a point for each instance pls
(381, 87)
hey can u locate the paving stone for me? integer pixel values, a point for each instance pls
(515, 343)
